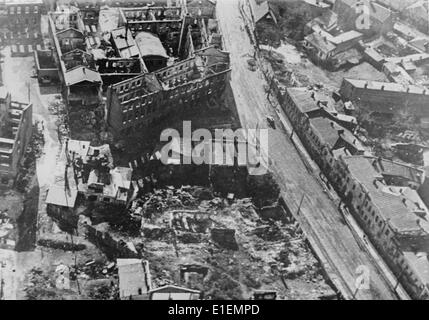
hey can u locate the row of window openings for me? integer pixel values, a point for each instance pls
(138, 14)
(137, 106)
(27, 10)
(172, 95)
(139, 82)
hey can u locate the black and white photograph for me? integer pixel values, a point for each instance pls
(226, 152)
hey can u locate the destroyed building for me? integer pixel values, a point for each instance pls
(81, 82)
(15, 134)
(22, 20)
(161, 52)
(200, 74)
(88, 172)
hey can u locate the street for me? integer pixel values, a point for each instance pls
(318, 216)
(17, 78)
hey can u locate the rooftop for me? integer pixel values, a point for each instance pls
(420, 263)
(307, 100)
(150, 45)
(171, 292)
(124, 42)
(386, 86)
(346, 36)
(320, 42)
(81, 74)
(377, 11)
(400, 212)
(132, 277)
(331, 132)
(259, 10)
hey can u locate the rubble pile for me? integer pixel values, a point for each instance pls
(240, 251)
(225, 238)
(88, 280)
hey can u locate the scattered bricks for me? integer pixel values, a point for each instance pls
(275, 212)
(268, 233)
(190, 237)
(187, 269)
(155, 233)
(225, 238)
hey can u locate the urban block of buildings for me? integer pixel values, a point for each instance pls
(15, 134)
(387, 97)
(380, 194)
(143, 62)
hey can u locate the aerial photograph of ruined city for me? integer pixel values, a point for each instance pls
(214, 150)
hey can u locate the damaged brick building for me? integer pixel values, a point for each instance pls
(142, 58)
(15, 134)
(197, 68)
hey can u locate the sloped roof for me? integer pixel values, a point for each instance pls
(125, 42)
(397, 5)
(390, 206)
(304, 101)
(132, 277)
(260, 10)
(81, 74)
(346, 36)
(388, 86)
(73, 30)
(328, 19)
(150, 45)
(377, 11)
(58, 195)
(320, 42)
(331, 132)
(171, 292)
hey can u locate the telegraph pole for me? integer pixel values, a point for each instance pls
(1, 280)
(300, 204)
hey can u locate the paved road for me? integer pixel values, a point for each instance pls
(17, 79)
(319, 216)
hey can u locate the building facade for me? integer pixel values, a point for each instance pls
(15, 134)
(382, 197)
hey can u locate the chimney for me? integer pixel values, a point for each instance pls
(312, 95)
(382, 87)
(84, 71)
(332, 124)
(366, 84)
(408, 89)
